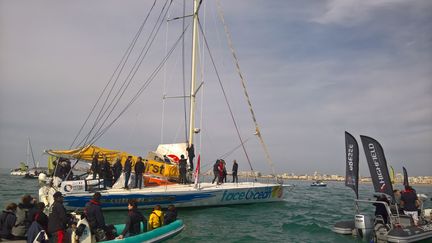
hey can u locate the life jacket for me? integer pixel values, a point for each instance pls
(156, 219)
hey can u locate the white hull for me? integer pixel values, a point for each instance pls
(182, 195)
(18, 173)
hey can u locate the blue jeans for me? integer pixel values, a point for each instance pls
(127, 176)
(138, 180)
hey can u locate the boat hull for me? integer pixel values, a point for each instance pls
(182, 196)
(156, 235)
(344, 227)
(409, 234)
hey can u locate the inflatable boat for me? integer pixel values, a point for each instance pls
(157, 235)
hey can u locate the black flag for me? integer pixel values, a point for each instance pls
(377, 165)
(352, 162)
(405, 176)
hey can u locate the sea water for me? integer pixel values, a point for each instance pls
(306, 215)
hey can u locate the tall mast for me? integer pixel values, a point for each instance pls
(193, 74)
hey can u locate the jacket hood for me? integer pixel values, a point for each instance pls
(158, 212)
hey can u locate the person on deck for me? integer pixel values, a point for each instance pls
(191, 155)
(216, 172)
(107, 174)
(117, 169)
(95, 217)
(234, 172)
(133, 221)
(224, 172)
(22, 214)
(7, 221)
(95, 166)
(220, 170)
(127, 170)
(380, 209)
(156, 218)
(57, 220)
(170, 215)
(409, 202)
(182, 169)
(139, 170)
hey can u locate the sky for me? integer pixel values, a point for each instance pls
(313, 70)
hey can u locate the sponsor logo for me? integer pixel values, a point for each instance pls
(350, 154)
(251, 194)
(377, 165)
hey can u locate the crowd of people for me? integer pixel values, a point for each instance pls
(27, 220)
(220, 172)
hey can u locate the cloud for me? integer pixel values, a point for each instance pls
(352, 12)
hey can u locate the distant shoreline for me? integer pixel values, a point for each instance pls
(360, 182)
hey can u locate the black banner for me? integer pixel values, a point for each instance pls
(352, 162)
(377, 165)
(405, 176)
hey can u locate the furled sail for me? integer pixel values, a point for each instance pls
(377, 165)
(86, 154)
(352, 162)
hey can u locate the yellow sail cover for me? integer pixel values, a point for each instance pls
(162, 169)
(87, 153)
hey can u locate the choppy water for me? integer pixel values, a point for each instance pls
(306, 215)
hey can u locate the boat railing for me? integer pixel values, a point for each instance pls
(393, 215)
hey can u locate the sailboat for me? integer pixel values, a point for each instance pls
(23, 169)
(165, 189)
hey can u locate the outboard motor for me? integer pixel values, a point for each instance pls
(364, 225)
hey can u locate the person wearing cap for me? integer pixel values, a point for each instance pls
(23, 221)
(57, 220)
(133, 220)
(93, 212)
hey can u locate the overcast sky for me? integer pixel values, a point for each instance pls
(314, 69)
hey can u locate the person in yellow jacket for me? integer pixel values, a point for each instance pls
(156, 218)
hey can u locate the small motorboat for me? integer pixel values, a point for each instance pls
(157, 235)
(318, 184)
(397, 227)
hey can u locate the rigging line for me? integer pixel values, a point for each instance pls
(102, 112)
(233, 150)
(116, 99)
(184, 74)
(31, 151)
(225, 96)
(134, 69)
(143, 87)
(146, 84)
(243, 82)
(125, 56)
(164, 87)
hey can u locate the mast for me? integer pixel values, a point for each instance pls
(193, 74)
